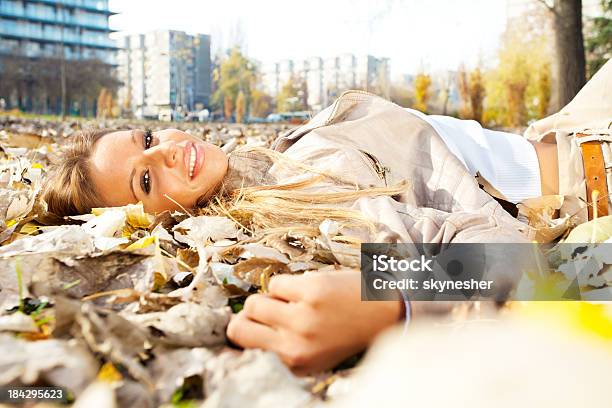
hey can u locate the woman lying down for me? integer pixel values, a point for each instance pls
(387, 174)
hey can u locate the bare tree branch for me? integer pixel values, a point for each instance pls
(549, 7)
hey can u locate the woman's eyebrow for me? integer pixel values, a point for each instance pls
(132, 183)
(131, 179)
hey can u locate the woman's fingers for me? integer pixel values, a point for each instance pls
(268, 310)
(287, 287)
(250, 334)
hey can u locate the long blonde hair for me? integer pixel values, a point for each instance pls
(288, 207)
(258, 209)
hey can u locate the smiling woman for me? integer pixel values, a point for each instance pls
(168, 169)
(378, 172)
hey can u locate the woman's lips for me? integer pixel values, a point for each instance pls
(199, 160)
(187, 157)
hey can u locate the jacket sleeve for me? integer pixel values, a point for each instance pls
(403, 223)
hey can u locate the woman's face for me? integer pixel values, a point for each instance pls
(132, 165)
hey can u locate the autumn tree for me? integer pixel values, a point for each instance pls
(106, 106)
(465, 110)
(540, 91)
(261, 103)
(228, 107)
(401, 95)
(422, 83)
(102, 111)
(289, 98)
(519, 88)
(471, 92)
(477, 94)
(236, 74)
(446, 82)
(240, 107)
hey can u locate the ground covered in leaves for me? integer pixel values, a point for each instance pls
(136, 300)
(140, 302)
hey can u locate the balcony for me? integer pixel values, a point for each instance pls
(83, 21)
(96, 6)
(37, 34)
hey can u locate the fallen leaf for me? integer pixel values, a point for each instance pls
(186, 324)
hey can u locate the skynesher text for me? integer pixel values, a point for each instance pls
(432, 284)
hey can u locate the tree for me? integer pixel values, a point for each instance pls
(472, 93)
(422, 82)
(465, 111)
(240, 107)
(35, 84)
(519, 88)
(289, 98)
(569, 62)
(401, 96)
(101, 104)
(106, 104)
(477, 94)
(540, 90)
(228, 107)
(261, 103)
(445, 91)
(598, 41)
(236, 73)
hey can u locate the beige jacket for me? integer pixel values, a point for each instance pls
(369, 141)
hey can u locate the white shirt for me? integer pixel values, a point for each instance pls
(507, 161)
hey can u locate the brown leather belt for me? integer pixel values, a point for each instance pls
(595, 176)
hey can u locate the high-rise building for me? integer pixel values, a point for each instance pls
(314, 83)
(327, 78)
(165, 69)
(70, 29)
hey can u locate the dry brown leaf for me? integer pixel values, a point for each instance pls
(252, 269)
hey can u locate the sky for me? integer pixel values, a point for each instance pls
(414, 34)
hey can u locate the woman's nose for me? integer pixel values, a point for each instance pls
(165, 152)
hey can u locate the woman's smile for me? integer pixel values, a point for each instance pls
(194, 158)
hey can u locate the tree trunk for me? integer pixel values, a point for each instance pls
(569, 51)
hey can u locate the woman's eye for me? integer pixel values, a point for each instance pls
(148, 138)
(145, 182)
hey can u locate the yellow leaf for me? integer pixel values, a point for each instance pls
(142, 243)
(29, 228)
(10, 223)
(134, 214)
(136, 217)
(37, 166)
(109, 373)
(597, 230)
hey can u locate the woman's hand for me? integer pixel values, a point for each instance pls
(313, 321)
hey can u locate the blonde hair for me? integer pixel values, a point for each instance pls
(258, 209)
(68, 189)
(287, 207)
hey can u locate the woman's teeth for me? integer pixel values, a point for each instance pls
(192, 161)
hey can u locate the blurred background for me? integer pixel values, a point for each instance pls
(501, 62)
